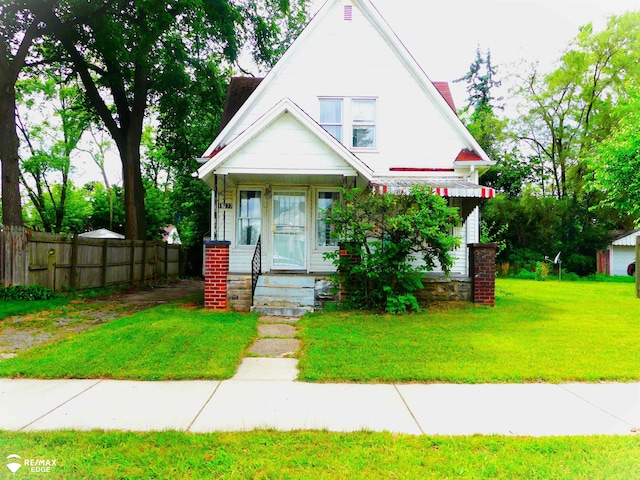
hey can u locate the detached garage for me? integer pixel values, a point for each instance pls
(615, 259)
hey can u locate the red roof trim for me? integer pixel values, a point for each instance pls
(420, 169)
(445, 91)
(216, 151)
(468, 156)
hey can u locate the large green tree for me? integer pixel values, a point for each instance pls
(617, 160)
(23, 25)
(568, 111)
(19, 29)
(141, 51)
(51, 120)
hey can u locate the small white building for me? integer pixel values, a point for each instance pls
(615, 259)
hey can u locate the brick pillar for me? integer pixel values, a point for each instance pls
(349, 256)
(216, 270)
(482, 270)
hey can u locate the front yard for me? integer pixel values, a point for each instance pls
(538, 331)
(178, 341)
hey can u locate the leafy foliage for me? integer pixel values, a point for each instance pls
(32, 292)
(383, 236)
(618, 161)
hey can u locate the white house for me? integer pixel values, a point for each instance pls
(615, 259)
(347, 105)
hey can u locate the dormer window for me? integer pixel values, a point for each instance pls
(358, 115)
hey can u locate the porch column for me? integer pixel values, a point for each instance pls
(216, 270)
(482, 270)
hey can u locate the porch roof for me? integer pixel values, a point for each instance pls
(445, 187)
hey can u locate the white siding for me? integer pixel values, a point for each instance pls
(286, 147)
(621, 257)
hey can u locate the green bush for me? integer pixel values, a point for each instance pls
(32, 292)
(384, 235)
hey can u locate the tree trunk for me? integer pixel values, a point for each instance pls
(133, 188)
(11, 204)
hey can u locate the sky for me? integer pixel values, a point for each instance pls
(443, 36)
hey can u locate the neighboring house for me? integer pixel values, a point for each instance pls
(347, 105)
(615, 259)
(170, 235)
(101, 233)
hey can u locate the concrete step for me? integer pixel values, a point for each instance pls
(281, 311)
(294, 293)
(295, 281)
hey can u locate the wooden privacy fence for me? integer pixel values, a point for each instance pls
(60, 261)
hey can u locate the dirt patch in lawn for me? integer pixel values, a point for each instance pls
(20, 333)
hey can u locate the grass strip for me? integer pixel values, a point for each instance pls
(168, 342)
(538, 331)
(9, 308)
(323, 455)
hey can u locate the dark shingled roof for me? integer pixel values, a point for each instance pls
(240, 89)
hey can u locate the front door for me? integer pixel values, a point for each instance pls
(289, 230)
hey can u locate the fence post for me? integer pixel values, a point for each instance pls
(166, 260)
(143, 273)
(132, 263)
(51, 269)
(73, 274)
(105, 249)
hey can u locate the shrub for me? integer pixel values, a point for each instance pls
(32, 292)
(384, 234)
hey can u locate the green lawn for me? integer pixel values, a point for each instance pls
(538, 331)
(9, 308)
(163, 343)
(322, 455)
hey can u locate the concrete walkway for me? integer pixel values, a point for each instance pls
(263, 394)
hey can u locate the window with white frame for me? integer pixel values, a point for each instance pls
(331, 116)
(249, 217)
(363, 115)
(356, 114)
(324, 229)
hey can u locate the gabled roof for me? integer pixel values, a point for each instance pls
(286, 105)
(239, 90)
(625, 238)
(376, 19)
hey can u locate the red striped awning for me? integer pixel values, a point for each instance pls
(442, 187)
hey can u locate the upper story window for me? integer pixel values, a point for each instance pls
(331, 116)
(363, 114)
(357, 115)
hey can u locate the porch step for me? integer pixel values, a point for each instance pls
(284, 295)
(281, 311)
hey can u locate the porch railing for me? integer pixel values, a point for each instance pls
(256, 267)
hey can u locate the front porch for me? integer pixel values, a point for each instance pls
(273, 292)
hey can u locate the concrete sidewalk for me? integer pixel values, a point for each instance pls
(264, 395)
